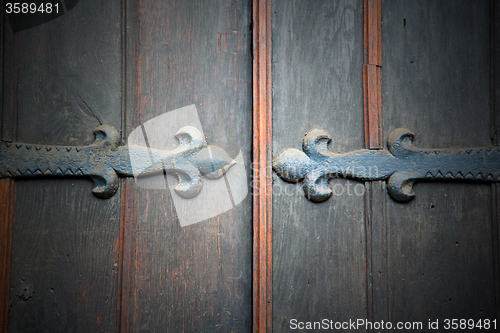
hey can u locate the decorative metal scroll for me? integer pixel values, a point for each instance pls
(401, 166)
(104, 160)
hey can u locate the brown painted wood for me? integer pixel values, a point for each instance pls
(7, 198)
(262, 156)
(318, 249)
(372, 92)
(372, 74)
(199, 277)
(66, 80)
(436, 82)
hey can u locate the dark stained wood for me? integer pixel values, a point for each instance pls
(9, 88)
(495, 71)
(318, 249)
(495, 216)
(372, 101)
(128, 203)
(262, 174)
(128, 228)
(66, 80)
(7, 186)
(7, 198)
(436, 82)
(372, 74)
(376, 251)
(372, 33)
(495, 127)
(196, 278)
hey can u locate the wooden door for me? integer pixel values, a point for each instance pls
(360, 70)
(83, 264)
(261, 74)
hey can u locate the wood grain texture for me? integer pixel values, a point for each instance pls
(262, 174)
(495, 138)
(372, 74)
(437, 83)
(66, 81)
(196, 278)
(495, 71)
(128, 230)
(376, 251)
(128, 202)
(375, 218)
(318, 249)
(9, 92)
(7, 198)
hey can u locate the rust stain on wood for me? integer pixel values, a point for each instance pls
(372, 75)
(7, 199)
(262, 150)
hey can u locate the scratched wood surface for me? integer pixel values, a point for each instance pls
(436, 82)
(196, 278)
(318, 249)
(62, 80)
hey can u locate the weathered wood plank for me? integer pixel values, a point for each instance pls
(7, 196)
(262, 157)
(436, 82)
(198, 277)
(318, 249)
(65, 241)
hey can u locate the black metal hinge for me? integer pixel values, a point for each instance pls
(402, 165)
(104, 160)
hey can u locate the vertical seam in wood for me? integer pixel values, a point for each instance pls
(495, 241)
(123, 51)
(494, 72)
(494, 119)
(262, 150)
(128, 204)
(124, 262)
(373, 139)
(368, 251)
(128, 217)
(2, 67)
(372, 75)
(7, 200)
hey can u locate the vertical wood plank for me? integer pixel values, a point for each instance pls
(7, 186)
(198, 277)
(372, 74)
(495, 71)
(376, 252)
(437, 83)
(318, 249)
(262, 157)
(66, 82)
(377, 273)
(495, 216)
(495, 138)
(128, 228)
(128, 201)
(10, 89)
(7, 199)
